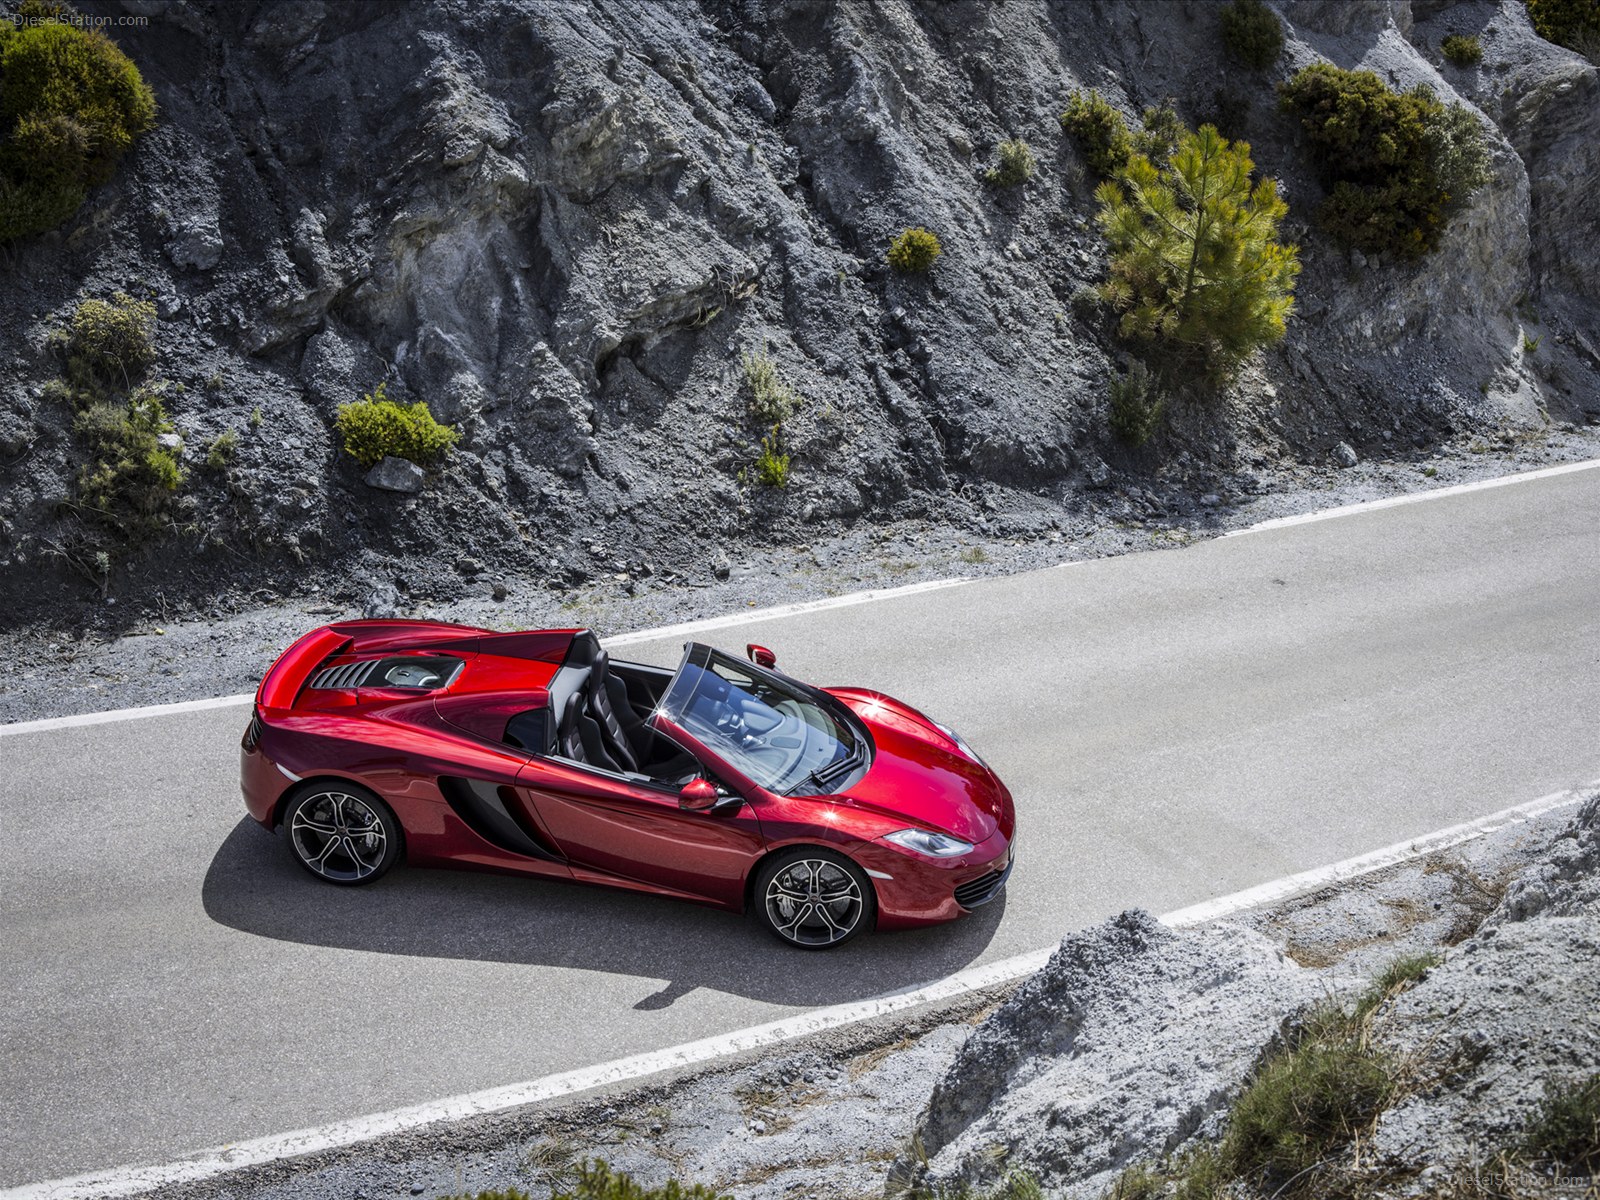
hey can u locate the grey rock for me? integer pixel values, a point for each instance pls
(170, 441)
(468, 566)
(383, 604)
(1127, 1042)
(395, 475)
(1344, 455)
(1504, 1013)
(197, 245)
(1096, 469)
(721, 567)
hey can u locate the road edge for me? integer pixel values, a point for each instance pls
(114, 1183)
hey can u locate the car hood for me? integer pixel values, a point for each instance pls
(919, 774)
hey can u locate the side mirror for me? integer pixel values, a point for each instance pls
(698, 795)
(761, 656)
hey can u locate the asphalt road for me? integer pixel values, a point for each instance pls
(1174, 725)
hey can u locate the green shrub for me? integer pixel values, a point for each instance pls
(1100, 131)
(376, 427)
(1307, 1102)
(1567, 1127)
(1138, 1182)
(1206, 277)
(772, 401)
(110, 343)
(1396, 977)
(1136, 405)
(596, 1181)
(71, 104)
(221, 449)
(1016, 164)
(1162, 132)
(1017, 1185)
(1574, 24)
(1462, 50)
(772, 464)
(128, 482)
(1396, 164)
(914, 251)
(1252, 33)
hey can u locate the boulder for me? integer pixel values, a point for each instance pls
(395, 475)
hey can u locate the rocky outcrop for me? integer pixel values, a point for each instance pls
(1130, 1041)
(563, 224)
(1509, 1011)
(1135, 1040)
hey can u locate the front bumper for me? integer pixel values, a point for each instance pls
(914, 890)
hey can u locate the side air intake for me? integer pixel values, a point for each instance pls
(485, 809)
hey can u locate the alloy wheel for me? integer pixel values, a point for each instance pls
(814, 902)
(338, 836)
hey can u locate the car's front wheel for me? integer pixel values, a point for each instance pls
(813, 898)
(341, 833)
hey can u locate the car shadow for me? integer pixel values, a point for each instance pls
(253, 886)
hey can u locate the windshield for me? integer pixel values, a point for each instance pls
(784, 736)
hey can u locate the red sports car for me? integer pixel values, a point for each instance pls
(724, 782)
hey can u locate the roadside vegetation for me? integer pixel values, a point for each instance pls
(1463, 51)
(1197, 271)
(1397, 165)
(1015, 167)
(1100, 131)
(1566, 1132)
(126, 485)
(1198, 278)
(1300, 1120)
(1299, 1129)
(772, 402)
(596, 1181)
(1251, 33)
(375, 427)
(914, 251)
(1574, 24)
(71, 105)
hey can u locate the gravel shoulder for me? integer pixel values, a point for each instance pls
(122, 659)
(830, 1116)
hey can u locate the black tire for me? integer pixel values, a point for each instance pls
(341, 833)
(792, 898)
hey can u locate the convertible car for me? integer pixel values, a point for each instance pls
(726, 782)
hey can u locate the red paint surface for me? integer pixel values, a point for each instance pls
(601, 828)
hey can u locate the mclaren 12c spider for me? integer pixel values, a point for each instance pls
(726, 782)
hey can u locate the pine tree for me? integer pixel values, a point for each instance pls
(1195, 258)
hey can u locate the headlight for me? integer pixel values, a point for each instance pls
(934, 845)
(960, 745)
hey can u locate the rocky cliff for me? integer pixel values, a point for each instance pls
(563, 225)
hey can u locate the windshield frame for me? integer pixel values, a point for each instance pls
(726, 755)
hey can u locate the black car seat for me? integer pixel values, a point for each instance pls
(569, 741)
(608, 704)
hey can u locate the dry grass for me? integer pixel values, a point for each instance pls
(871, 1060)
(1475, 896)
(774, 1102)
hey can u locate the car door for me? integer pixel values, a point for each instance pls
(622, 827)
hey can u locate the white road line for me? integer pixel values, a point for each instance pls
(624, 639)
(122, 714)
(782, 610)
(206, 1164)
(805, 606)
(1480, 485)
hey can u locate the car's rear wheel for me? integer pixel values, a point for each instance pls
(813, 898)
(341, 833)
